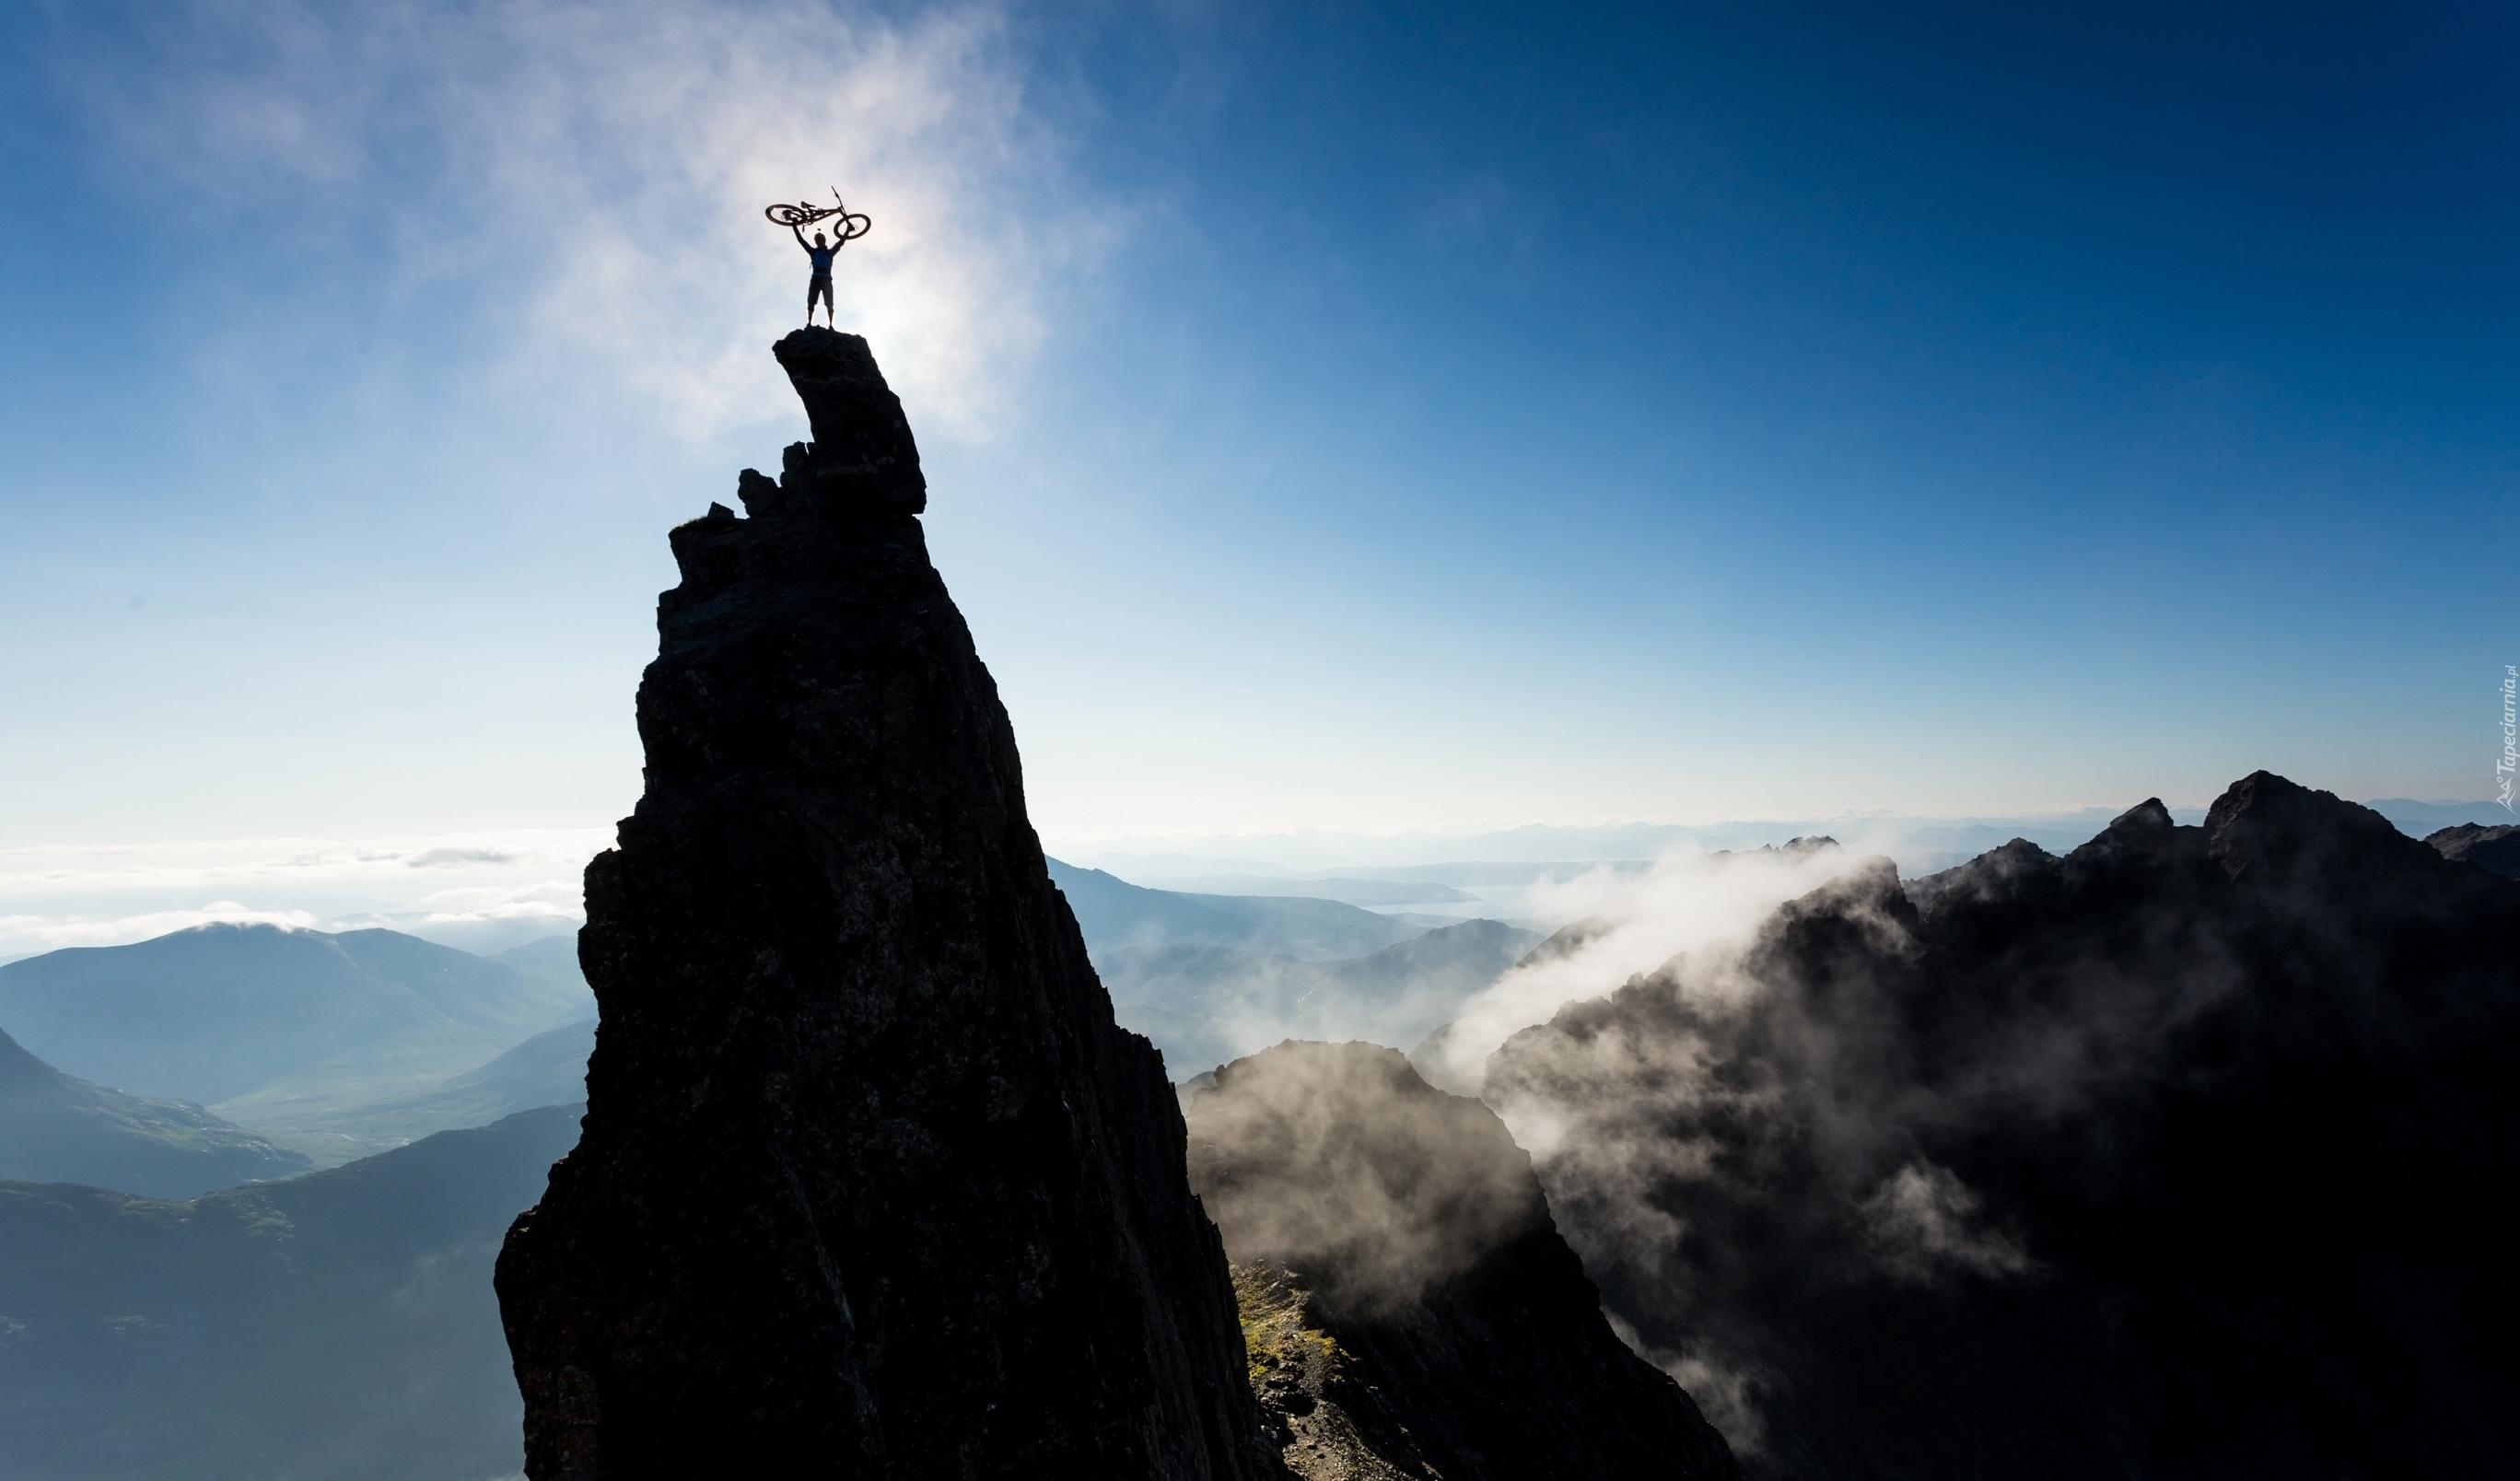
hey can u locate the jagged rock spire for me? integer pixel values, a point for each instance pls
(870, 1182)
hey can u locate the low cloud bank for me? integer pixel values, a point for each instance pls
(479, 892)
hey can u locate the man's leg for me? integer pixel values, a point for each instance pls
(821, 288)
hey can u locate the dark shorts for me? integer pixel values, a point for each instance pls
(821, 281)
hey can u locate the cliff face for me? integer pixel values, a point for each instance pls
(870, 1183)
(1411, 1308)
(2188, 1155)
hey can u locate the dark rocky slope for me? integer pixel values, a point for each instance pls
(1411, 1308)
(2496, 848)
(2188, 1155)
(340, 1325)
(870, 1182)
(55, 1128)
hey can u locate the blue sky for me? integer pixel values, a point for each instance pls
(1339, 418)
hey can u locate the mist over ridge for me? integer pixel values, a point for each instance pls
(487, 891)
(1409, 1307)
(2184, 1151)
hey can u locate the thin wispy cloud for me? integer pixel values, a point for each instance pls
(470, 889)
(383, 863)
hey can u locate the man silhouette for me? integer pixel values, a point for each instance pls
(820, 287)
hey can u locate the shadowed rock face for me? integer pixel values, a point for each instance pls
(2496, 848)
(1411, 1308)
(2188, 1155)
(862, 460)
(870, 1184)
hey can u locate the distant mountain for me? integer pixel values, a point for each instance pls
(547, 1069)
(340, 1325)
(1114, 915)
(1351, 891)
(2418, 820)
(58, 1128)
(553, 961)
(273, 1027)
(1475, 873)
(1205, 1004)
(1915, 841)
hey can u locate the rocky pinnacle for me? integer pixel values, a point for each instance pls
(871, 1183)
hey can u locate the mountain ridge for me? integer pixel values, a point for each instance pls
(340, 1325)
(218, 1012)
(57, 1128)
(2178, 1154)
(1114, 915)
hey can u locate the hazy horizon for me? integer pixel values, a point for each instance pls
(1336, 420)
(486, 891)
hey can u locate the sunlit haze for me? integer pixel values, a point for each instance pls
(1346, 426)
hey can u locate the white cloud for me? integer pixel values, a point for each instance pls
(374, 865)
(613, 159)
(1925, 1221)
(480, 890)
(1706, 905)
(28, 936)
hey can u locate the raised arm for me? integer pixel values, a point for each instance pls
(801, 238)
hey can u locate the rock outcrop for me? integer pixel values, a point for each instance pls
(871, 1183)
(2496, 848)
(1409, 1307)
(2188, 1155)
